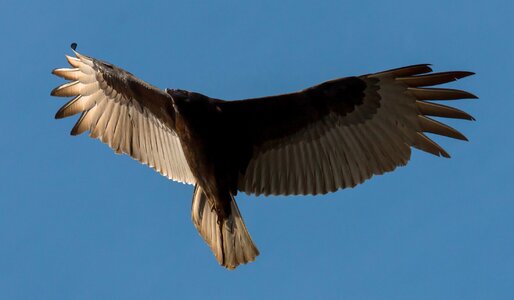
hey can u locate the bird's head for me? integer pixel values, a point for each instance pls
(179, 96)
(186, 102)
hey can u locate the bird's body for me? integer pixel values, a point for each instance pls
(330, 136)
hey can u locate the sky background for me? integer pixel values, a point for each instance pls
(78, 222)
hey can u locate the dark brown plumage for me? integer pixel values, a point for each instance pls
(330, 136)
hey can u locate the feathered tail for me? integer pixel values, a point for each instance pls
(229, 239)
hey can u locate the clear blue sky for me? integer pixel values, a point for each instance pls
(78, 222)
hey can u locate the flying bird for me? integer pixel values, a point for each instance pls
(327, 137)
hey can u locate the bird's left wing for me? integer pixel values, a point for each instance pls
(341, 132)
(126, 113)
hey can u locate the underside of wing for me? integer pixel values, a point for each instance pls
(342, 132)
(129, 115)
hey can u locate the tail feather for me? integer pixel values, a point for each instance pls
(228, 239)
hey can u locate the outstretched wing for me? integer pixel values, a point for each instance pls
(126, 113)
(341, 132)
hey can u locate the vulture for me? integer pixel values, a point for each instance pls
(327, 137)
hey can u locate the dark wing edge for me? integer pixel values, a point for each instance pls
(339, 143)
(124, 112)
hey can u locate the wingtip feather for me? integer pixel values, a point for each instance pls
(81, 126)
(439, 94)
(432, 79)
(66, 90)
(407, 71)
(439, 110)
(430, 125)
(424, 143)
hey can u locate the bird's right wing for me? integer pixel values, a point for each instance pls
(126, 113)
(341, 132)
